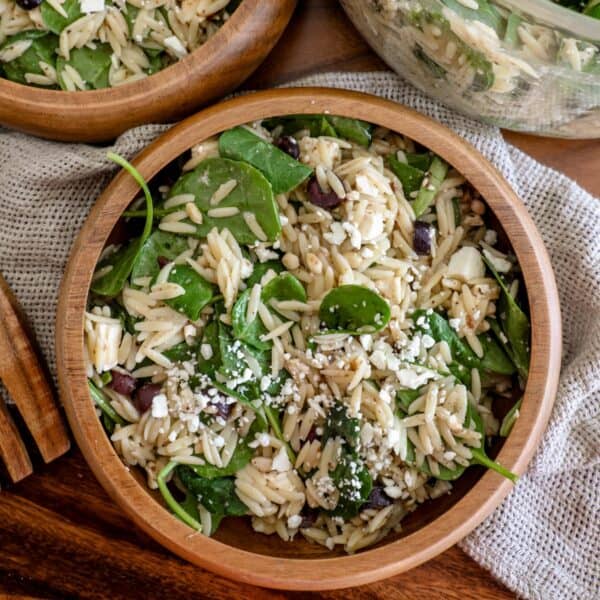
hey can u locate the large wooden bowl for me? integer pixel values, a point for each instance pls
(213, 70)
(236, 551)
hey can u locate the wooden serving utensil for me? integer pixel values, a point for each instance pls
(27, 385)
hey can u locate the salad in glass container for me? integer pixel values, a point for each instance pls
(532, 66)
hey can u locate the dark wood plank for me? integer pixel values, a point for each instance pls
(61, 536)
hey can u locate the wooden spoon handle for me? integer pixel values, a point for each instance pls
(12, 449)
(26, 382)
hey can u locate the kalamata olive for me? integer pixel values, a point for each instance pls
(223, 409)
(377, 499)
(162, 261)
(122, 383)
(422, 238)
(312, 434)
(145, 395)
(320, 198)
(29, 4)
(289, 145)
(309, 516)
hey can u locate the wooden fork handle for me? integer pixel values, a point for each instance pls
(12, 449)
(21, 373)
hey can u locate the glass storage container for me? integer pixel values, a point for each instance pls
(530, 66)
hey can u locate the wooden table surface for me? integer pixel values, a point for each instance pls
(60, 534)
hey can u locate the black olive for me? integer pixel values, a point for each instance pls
(422, 238)
(29, 4)
(320, 198)
(377, 499)
(289, 145)
(122, 383)
(145, 395)
(162, 261)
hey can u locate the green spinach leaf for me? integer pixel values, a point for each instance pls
(56, 22)
(410, 177)
(354, 483)
(514, 323)
(253, 194)
(261, 269)
(92, 65)
(198, 291)
(122, 261)
(283, 172)
(354, 309)
(42, 49)
(354, 130)
(160, 244)
(340, 424)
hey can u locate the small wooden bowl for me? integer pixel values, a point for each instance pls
(213, 70)
(262, 560)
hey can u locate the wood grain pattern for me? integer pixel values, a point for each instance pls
(26, 382)
(235, 551)
(213, 70)
(66, 491)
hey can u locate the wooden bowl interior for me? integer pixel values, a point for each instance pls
(213, 70)
(237, 551)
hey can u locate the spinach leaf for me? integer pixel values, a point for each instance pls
(317, 125)
(216, 495)
(419, 160)
(261, 269)
(253, 194)
(42, 49)
(198, 291)
(439, 329)
(283, 287)
(410, 177)
(436, 70)
(160, 244)
(510, 418)
(511, 35)
(56, 22)
(514, 323)
(123, 260)
(283, 172)
(103, 404)
(434, 178)
(181, 352)
(354, 309)
(354, 483)
(354, 130)
(485, 13)
(179, 511)
(340, 424)
(92, 64)
(248, 331)
(494, 358)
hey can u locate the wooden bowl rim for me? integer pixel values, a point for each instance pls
(245, 25)
(369, 565)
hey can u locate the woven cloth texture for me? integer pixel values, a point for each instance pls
(543, 542)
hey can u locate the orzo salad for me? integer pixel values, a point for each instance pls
(313, 324)
(91, 44)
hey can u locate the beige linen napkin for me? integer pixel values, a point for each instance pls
(544, 541)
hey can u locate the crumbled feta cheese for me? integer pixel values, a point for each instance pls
(174, 44)
(454, 323)
(466, 264)
(500, 264)
(281, 462)
(427, 341)
(336, 234)
(294, 521)
(371, 226)
(160, 408)
(409, 378)
(366, 341)
(91, 6)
